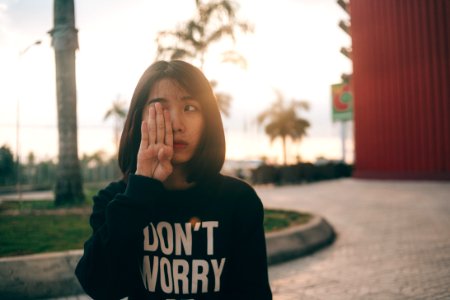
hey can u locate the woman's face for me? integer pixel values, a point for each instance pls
(185, 114)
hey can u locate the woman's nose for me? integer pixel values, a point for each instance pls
(178, 124)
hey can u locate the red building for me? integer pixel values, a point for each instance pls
(401, 82)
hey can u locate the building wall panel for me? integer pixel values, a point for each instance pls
(401, 81)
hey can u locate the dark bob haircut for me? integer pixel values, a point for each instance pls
(210, 154)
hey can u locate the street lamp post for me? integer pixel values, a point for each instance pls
(18, 183)
(38, 42)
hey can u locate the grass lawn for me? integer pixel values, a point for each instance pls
(38, 227)
(26, 234)
(279, 219)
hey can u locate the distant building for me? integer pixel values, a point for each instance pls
(401, 81)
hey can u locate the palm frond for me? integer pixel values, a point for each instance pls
(217, 34)
(117, 110)
(263, 116)
(234, 57)
(273, 131)
(225, 6)
(194, 33)
(301, 104)
(173, 53)
(223, 99)
(245, 27)
(179, 54)
(224, 102)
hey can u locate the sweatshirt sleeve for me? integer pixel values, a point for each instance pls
(249, 256)
(109, 268)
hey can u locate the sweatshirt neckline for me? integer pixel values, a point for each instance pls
(182, 191)
(198, 187)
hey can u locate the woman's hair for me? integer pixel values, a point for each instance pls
(210, 153)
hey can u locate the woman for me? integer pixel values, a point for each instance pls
(174, 227)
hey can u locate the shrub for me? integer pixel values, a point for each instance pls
(299, 173)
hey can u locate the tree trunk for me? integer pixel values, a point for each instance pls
(283, 138)
(68, 188)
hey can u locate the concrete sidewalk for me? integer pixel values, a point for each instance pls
(393, 241)
(28, 196)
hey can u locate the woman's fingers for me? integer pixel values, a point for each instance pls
(144, 136)
(151, 125)
(157, 131)
(156, 148)
(168, 124)
(160, 125)
(165, 156)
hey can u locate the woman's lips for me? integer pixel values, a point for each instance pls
(178, 145)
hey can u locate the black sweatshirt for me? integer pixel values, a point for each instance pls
(206, 242)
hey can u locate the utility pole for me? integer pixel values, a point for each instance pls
(64, 35)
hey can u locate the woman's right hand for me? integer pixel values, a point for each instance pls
(156, 148)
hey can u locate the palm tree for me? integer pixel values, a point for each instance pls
(214, 21)
(69, 187)
(118, 112)
(282, 121)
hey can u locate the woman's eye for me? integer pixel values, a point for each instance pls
(190, 107)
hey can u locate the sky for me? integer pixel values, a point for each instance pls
(294, 49)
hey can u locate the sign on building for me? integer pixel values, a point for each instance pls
(342, 101)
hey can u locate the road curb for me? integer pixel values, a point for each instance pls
(299, 240)
(51, 275)
(39, 276)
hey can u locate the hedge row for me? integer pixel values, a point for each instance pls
(299, 173)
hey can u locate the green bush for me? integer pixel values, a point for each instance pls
(299, 173)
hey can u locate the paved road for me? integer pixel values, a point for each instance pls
(393, 241)
(27, 196)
